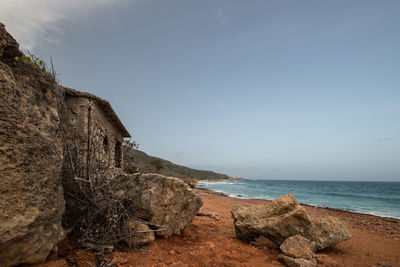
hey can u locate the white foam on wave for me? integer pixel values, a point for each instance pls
(237, 195)
(217, 182)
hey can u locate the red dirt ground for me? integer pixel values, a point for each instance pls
(211, 242)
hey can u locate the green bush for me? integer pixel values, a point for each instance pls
(190, 184)
(130, 169)
(35, 61)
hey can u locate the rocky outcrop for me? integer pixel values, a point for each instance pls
(328, 232)
(140, 233)
(167, 203)
(31, 153)
(298, 246)
(277, 220)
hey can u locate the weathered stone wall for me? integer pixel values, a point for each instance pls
(102, 129)
(31, 155)
(76, 128)
(87, 123)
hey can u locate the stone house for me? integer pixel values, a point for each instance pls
(94, 132)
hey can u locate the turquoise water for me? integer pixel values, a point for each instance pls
(376, 198)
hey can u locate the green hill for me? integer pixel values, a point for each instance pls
(148, 164)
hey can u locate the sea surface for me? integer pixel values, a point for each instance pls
(376, 198)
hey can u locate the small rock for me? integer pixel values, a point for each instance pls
(292, 262)
(324, 260)
(210, 214)
(298, 246)
(141, 234)
(210, 244)
(328, 232)
(171, 252)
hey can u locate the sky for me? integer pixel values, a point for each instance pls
(263, 89)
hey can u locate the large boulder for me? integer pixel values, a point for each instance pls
(167, 203)
(31, 154)
(277, 220)
(328, 232)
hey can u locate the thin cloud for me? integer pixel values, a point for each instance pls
(37, 22)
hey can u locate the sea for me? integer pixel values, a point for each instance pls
(375, 198)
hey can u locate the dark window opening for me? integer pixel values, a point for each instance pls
(118, 154)
(105, 144)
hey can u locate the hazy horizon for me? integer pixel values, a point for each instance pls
(258, 89)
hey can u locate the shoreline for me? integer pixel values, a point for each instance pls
(212, 241)
(239, 196)
(377, 223)
(303, 204)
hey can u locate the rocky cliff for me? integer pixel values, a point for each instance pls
(31, 153)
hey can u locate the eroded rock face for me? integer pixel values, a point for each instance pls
(298, 246)
(31, 153)
(277, 220)
(165, 202)
(328, 232)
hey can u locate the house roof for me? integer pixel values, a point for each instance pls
(104, 105)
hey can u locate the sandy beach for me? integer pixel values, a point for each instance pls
(212, 242)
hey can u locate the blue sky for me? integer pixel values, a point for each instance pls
(257, 89)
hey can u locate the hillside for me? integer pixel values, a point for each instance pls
(149, 164)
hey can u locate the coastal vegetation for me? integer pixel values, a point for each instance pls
(139, 161)
(35, 61)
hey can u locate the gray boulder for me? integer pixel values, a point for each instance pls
(277, 220)
(31, 154)
(167, 203)
(328, 232)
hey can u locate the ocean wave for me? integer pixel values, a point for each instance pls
(348, 197)
(237, 196)
(219, 183)
(387, 199)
